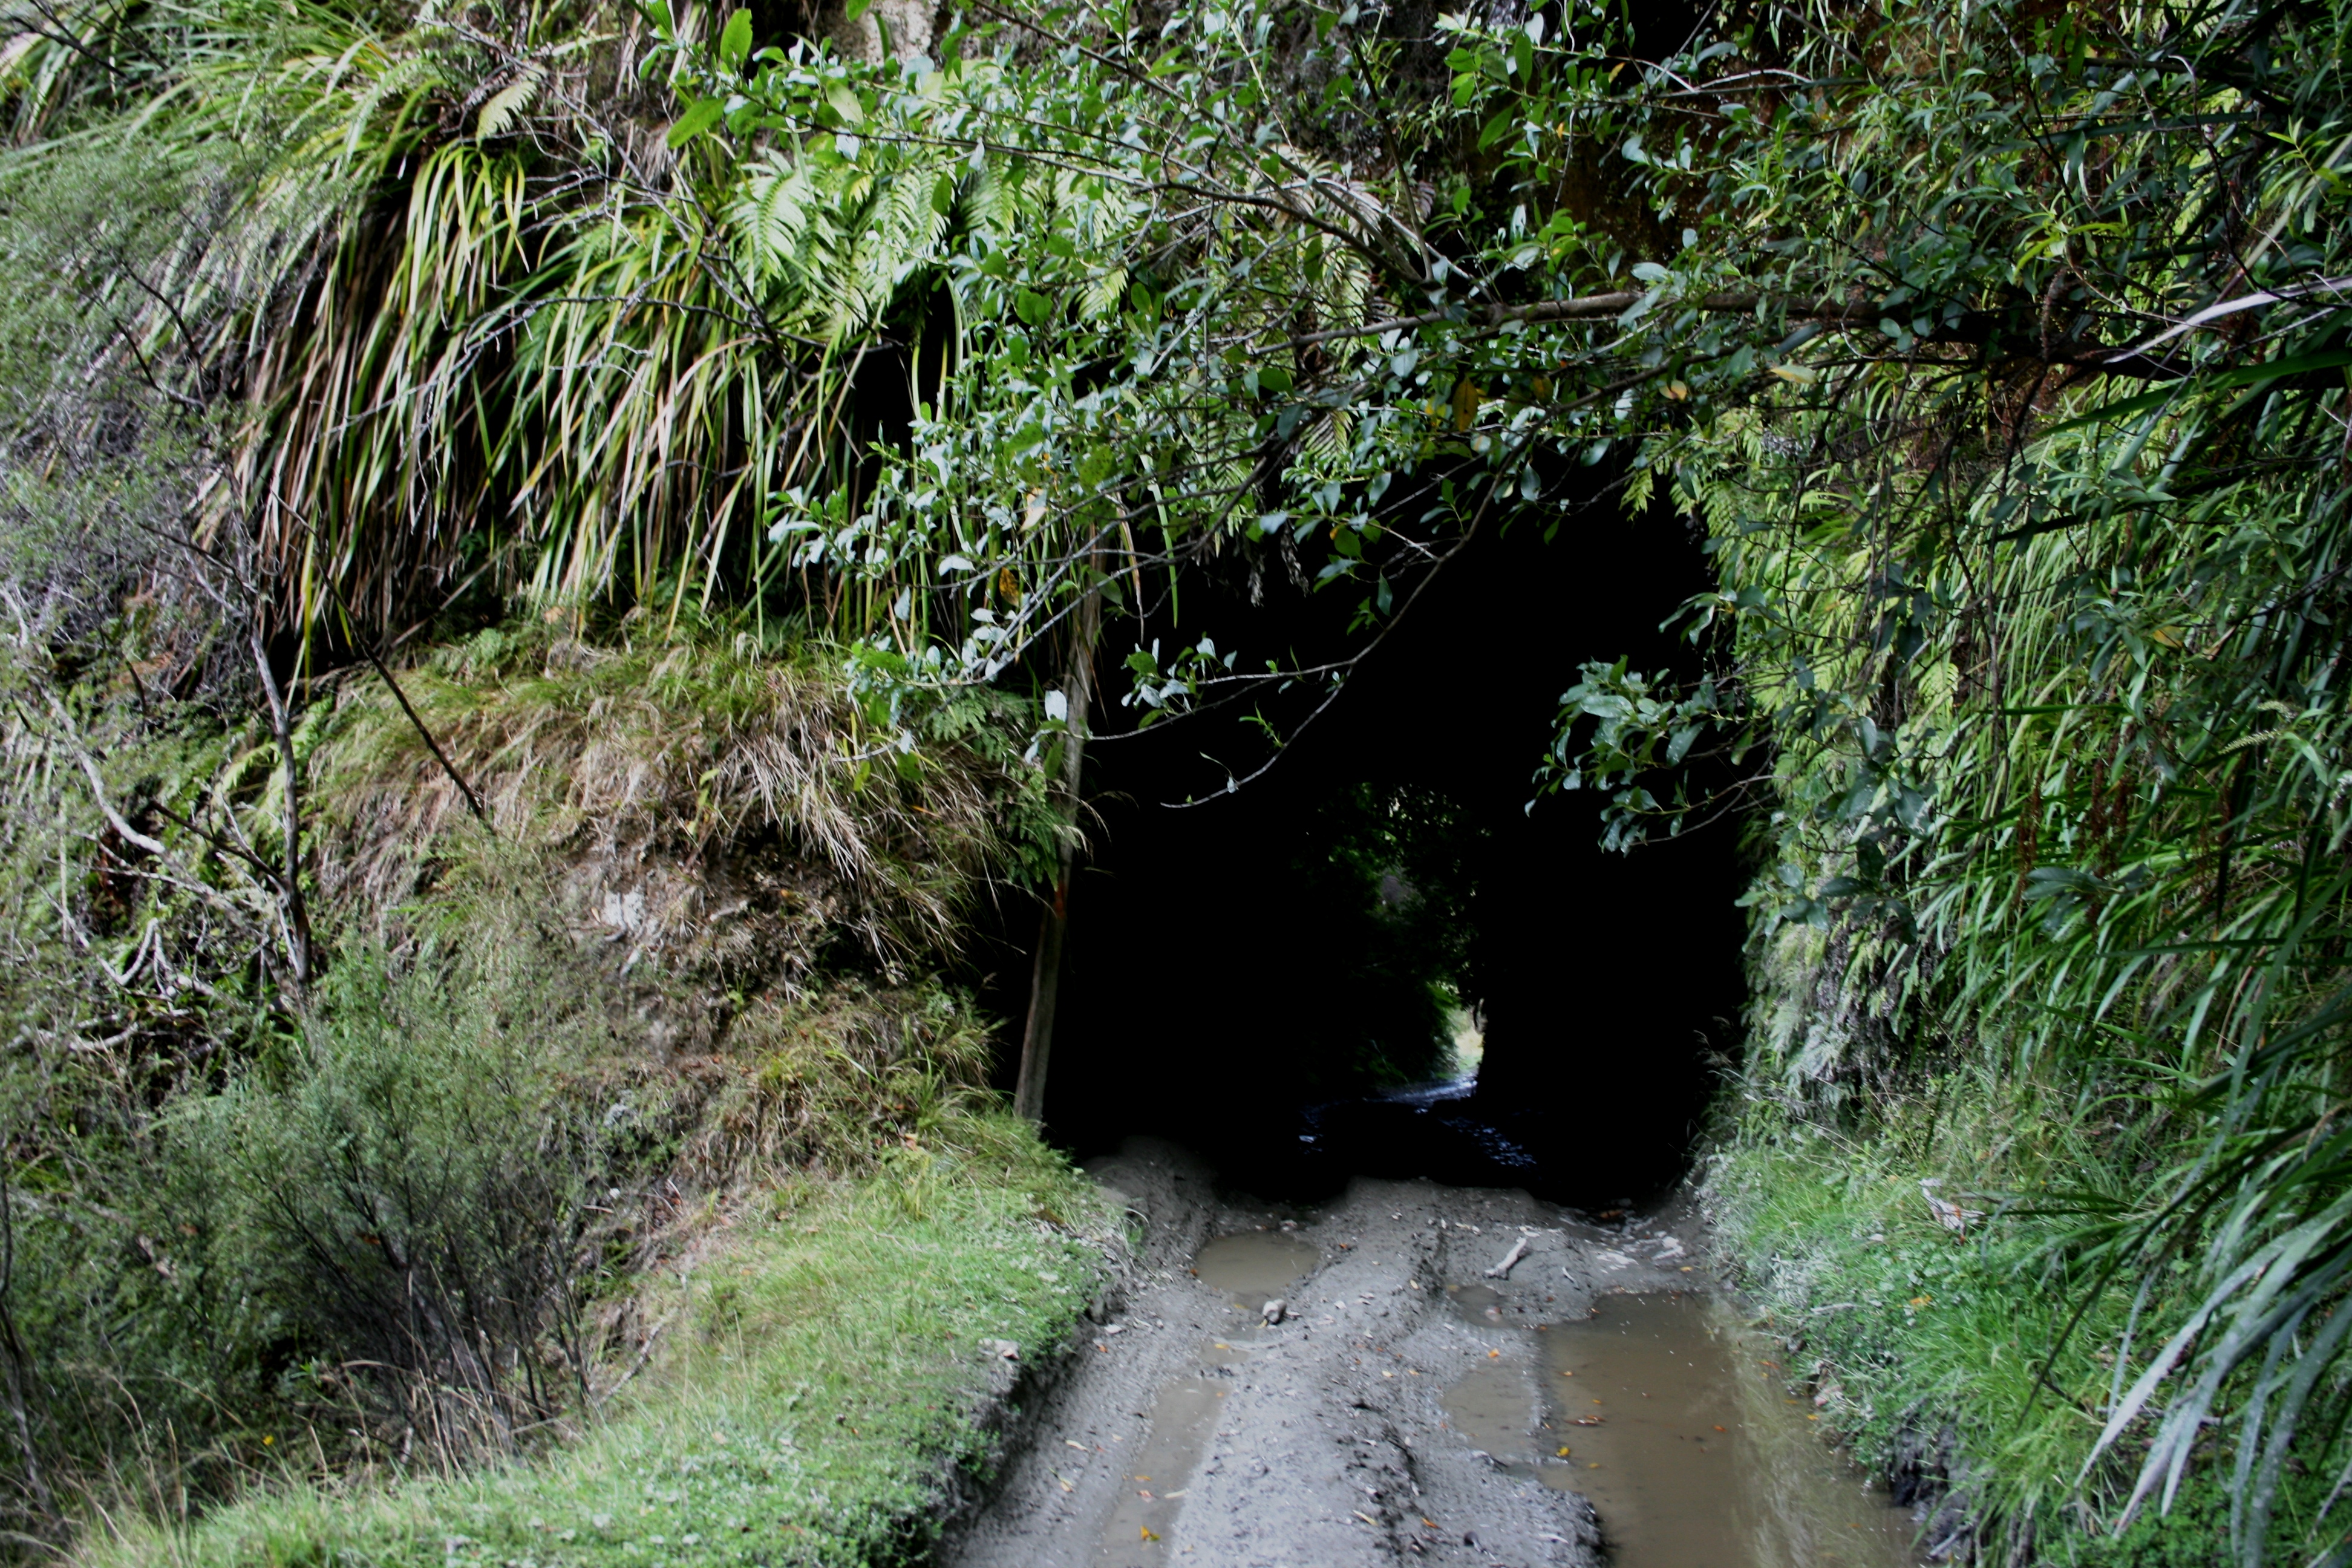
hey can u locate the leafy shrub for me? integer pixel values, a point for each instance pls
(416, 1188)
(811, 1401)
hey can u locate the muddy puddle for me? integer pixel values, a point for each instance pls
(1152, 1485)
(1251, 1268)
(1475, 1304)
(1255, 1267)
(1489, 1408)
(1668, 1414)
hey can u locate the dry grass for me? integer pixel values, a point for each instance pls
(714, 812)
(855, 1072)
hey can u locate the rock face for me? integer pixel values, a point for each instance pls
(1211, 1435)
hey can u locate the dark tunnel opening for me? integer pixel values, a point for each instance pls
(1248, 974)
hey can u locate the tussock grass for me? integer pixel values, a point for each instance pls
(808, 1388)
(710, 801)
(832, 1083)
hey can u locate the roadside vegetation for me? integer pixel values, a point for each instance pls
(805, 1389)
(616, 1097)
(2028, 613)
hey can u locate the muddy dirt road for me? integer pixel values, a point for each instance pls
(1391, 1411)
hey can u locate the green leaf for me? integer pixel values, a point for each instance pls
(735, 42)
(498, 115)
(2272, 370)
(2244, 375)
(699, 116)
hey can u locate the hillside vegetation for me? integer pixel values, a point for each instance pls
(658, 1072)
(559, 559)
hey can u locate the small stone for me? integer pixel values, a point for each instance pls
(1272, 1310)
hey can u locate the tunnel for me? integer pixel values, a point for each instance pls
(1266, 975)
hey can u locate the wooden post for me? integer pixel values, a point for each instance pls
(1045, 980)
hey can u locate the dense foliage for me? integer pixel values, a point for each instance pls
(401, 1213)
(2032, 583)
(1998, 349)
(2001, 354)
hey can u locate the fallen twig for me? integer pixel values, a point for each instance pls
(644, 1353)
(1518, 1250)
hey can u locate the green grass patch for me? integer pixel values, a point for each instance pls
(815, 1382)
(1907, 1329)
(1906, 1325)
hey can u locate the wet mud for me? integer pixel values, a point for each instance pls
(1673, 1419)
(1254, 1267)
(1182, 1415)
(1438, 1348)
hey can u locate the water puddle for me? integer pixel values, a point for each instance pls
(1151, 1490)
(1252, 1268)
(1475, 1304)
(1255, 1267)
(1493, 1410)
(1692, 1451)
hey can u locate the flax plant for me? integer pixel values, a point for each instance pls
(463, 308)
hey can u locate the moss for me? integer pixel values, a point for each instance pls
(708, 799)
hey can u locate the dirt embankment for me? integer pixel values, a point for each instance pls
(1195, 1431)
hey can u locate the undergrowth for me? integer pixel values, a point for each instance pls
(808, 1382)
(727, 798)
(424, 1208)
(1974, 1360)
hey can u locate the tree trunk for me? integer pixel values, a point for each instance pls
(1045, 980)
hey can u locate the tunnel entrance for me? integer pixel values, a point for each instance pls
(1247, 975)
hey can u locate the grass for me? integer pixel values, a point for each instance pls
(674, 752)
(1903, 1323)
(812, 1390)
(1909, 1332)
